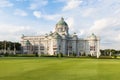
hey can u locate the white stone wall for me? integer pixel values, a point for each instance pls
(79, 46)
(60, 38)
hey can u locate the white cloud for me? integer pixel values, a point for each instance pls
(99, 25)
(108, 29)
(71, 4)
(105, 24)
(117, 11)
(70, 22)
(88, 12)
(20, 12)
(51, 17)
(36, 4)
(13, 32)
(37, 14)
(5, 3)
(11, 29)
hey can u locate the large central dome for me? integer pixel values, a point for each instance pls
(62, 22)
(62, 27)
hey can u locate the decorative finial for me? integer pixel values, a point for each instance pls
(22, 35)
(50, 32)
(93, 34)
(74, 32)
(62, 18)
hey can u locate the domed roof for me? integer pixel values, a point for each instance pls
(74, 34)
(93, 36)
(27, 42)
(62, 22)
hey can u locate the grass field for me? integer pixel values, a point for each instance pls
(59, 69)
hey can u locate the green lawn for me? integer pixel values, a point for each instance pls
(59, 69)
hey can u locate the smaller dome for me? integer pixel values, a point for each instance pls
(93, 36)
(74, 34)
(27, 43)
(22, 36)
(50, 33)
(62, 22)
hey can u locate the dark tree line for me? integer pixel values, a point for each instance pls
(109, 52)
(10, 45)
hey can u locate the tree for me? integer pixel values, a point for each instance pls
(109, 52)
(8, 45)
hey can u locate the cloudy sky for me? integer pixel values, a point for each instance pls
(36, 17)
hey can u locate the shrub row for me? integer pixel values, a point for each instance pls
(57, 55)
(18, 55)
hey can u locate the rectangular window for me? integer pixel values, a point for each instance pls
(70, 47)
(41, 47)
(36, 47)
(92, 48)
(54, 47)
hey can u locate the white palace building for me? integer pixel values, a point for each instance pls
(60, 41)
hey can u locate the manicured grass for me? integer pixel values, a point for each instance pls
(59, 69)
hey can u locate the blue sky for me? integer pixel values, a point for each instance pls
(37, 17)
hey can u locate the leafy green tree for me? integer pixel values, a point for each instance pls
(10, 45)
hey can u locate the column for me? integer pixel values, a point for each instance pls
(39, 52)
(98, 48)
